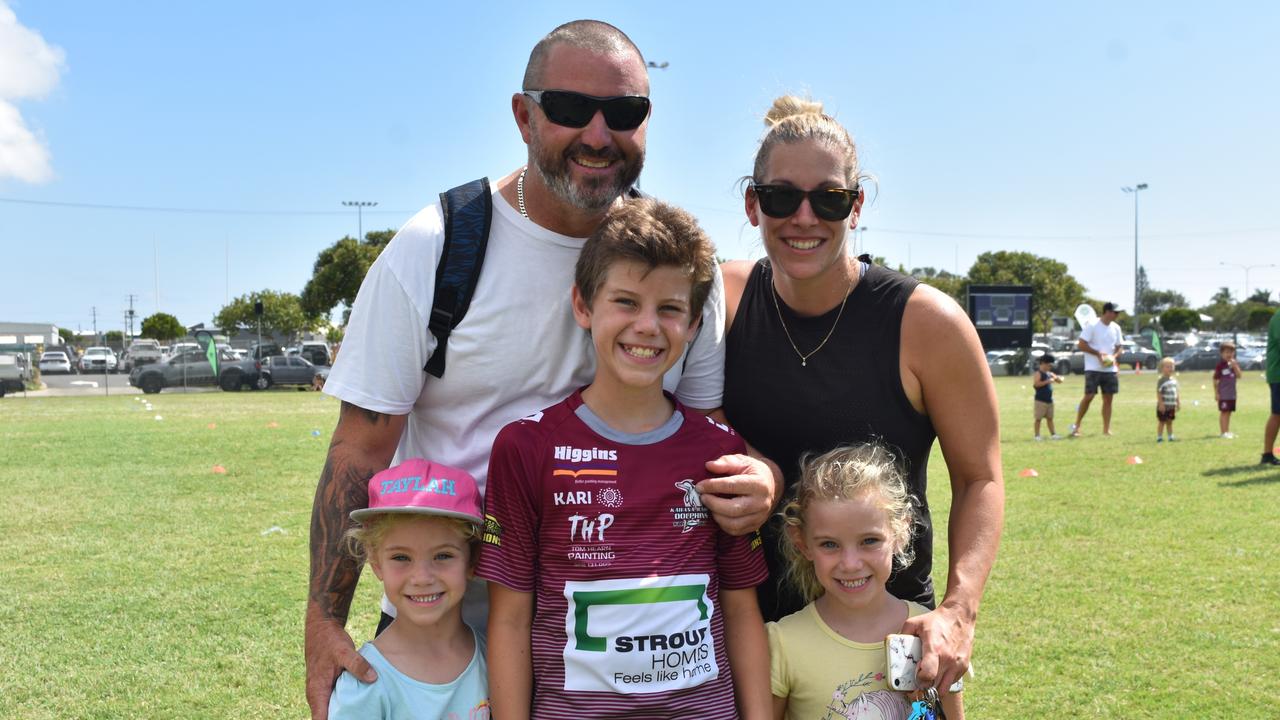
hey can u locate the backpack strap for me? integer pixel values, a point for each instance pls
(468, 212)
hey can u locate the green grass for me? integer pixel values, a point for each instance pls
(139, 583)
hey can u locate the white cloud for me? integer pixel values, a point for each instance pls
(29, 68)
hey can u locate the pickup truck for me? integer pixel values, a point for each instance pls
(192, 368)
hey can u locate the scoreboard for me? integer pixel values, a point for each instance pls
(1002, 315)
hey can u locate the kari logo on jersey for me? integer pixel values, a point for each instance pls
(639, 635)
(610, 497)
(691, 513)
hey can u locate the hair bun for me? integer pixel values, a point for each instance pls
(790, 106)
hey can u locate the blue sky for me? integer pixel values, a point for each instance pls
(989, 126)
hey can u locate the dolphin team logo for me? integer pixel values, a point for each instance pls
(691, 513)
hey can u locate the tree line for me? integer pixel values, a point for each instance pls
(340, 268)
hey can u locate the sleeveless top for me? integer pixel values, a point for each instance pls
(849, 392)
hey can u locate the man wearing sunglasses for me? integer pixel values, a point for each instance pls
(583, 111)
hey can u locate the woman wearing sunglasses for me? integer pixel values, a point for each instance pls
(826, 349)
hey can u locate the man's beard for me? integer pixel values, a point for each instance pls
(593, 194)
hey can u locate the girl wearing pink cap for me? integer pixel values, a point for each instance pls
(420, 535)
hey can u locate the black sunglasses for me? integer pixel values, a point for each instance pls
(575, 110)
(782, 201)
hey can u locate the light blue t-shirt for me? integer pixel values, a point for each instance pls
(396, 695)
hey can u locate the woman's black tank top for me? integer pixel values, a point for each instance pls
(850, 391)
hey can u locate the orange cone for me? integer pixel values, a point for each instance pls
(219, 470)
(273, 424)
(1134, 460)
(1028, 472)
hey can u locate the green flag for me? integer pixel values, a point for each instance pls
(1155, 344)
(210, 349)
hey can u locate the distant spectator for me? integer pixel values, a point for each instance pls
(1168, 401)
(1100, 342)
(1273, 377)
(1043, 382)
(1224, 387)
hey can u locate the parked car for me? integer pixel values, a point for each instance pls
(1196, 358)
(56, 361)
(190, 368)
(98, 359)
(1061, 364)
(140, 352)
(316, 352)
(14, 372)
(1253, 358)
(292, 370)
(1135, 355)
(1001, 362)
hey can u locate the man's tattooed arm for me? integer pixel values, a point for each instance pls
(363, 444)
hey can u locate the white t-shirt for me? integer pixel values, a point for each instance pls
(1104, 339)
(518, 349)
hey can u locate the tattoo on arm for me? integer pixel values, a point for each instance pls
(333, 571)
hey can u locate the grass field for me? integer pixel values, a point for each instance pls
(139, 583)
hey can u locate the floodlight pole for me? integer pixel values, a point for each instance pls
(1246, 269)
(359, 205)
(1136, 289)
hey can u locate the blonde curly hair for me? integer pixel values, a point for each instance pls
(840, 474)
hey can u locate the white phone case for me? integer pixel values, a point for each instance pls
(902, 653)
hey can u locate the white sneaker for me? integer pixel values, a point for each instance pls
(1228, 436)
(1055, 437)
(1039, 439)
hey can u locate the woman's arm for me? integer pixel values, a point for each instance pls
(944, 370)
(748, 649)
(509, 652)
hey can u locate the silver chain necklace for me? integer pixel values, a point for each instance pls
(520, 191)
(804, 357)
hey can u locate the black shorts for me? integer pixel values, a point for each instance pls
(1109, 382)
(1165, 415)
(1275, 398)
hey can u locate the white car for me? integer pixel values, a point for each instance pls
(55, 361)
(98, 359)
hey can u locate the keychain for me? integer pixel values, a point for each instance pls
(930, 708)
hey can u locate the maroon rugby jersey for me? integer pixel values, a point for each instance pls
(626, 562)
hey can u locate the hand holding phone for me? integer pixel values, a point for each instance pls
(902, 654)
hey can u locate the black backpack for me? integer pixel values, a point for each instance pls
(468, 213)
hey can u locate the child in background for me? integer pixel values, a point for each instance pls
(613, 593)
(848, 523)
(1224, 387)
(1168, 401)
(1043, 383)
(420, 535)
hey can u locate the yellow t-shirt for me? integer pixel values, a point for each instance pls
(825, 676)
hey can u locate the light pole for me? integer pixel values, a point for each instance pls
(1135, 190)
(1246, 269)
(359, 205)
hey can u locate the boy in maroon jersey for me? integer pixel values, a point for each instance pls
(612, 593)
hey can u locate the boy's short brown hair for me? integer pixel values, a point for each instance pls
(1226, 345)
(652, 233)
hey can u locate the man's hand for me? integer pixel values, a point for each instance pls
(329, 651)
(947, 638)
(741, 500)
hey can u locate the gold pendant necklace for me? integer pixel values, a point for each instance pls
(804, 357)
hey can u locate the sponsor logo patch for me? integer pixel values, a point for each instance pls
(639, 635)
(492, 534)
